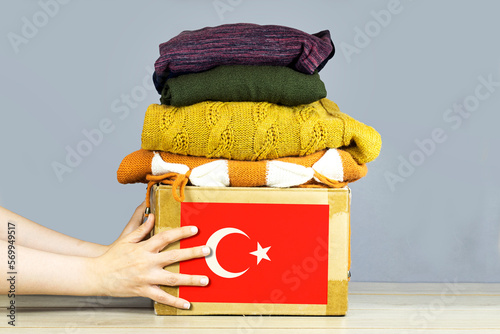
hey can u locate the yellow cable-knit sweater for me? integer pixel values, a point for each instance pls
(256, 130)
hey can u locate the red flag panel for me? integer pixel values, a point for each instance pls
(289, 242)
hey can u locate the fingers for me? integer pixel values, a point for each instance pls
(142, 231)
(154, 292)
(168, 278)
(135, 220)
(162, 239)
(178, 255)
(139, 211)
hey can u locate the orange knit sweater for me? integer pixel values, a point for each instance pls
(339, 168)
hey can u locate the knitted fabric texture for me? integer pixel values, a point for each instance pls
(242, 44)
(275, 84)
(340, 167)
(256, 130)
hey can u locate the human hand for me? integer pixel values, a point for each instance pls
(133, 267)
(134, 222)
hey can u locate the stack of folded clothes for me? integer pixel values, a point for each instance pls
(242, 105)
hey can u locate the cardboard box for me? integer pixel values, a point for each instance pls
(274, 251)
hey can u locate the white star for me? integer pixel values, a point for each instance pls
(261, 253)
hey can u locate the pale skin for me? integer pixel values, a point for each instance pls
(57, 264)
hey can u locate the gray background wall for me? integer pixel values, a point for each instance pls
(436, 219)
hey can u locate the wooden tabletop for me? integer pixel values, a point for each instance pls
(373, 308)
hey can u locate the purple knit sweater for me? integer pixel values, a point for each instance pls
(242, 44)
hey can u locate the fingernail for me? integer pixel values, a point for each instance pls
(187, 305)
(194, 229)
(205, 250)
(204, 281)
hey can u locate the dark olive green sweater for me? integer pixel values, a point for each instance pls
(228, 83)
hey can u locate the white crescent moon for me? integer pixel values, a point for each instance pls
(211, 260)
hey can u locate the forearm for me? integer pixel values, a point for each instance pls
(39, 272)
(131, 267)
(35, 236)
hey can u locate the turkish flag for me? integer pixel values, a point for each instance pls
(261, 253)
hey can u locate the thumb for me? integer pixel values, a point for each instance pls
(142, 231)
(135, 221)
